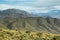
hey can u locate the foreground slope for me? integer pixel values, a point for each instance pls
(6, 34)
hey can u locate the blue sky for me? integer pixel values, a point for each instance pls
(31, 5)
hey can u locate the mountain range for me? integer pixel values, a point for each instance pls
(15, 19)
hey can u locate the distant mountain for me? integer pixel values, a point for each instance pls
(55, 13)
(51, 13)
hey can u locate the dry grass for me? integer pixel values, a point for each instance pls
(6, 34)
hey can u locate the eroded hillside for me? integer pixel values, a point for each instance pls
(32, 24)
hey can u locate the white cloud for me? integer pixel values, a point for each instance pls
(27, 8)
(38, 3)
(19, 0)
(44, 11)
(57, 7)
(3, 6)
(13, 0)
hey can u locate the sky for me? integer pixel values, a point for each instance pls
(31, 5)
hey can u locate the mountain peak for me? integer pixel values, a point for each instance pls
(13, 13)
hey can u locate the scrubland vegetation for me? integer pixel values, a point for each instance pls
(6, 34)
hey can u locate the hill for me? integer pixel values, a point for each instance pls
(31, 24)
